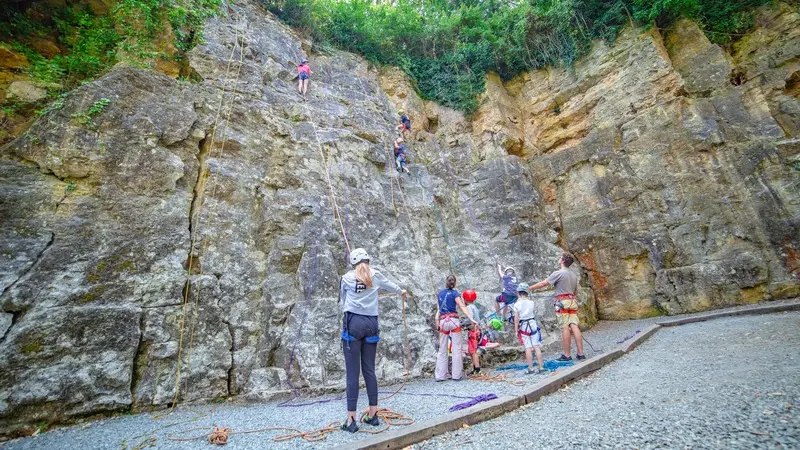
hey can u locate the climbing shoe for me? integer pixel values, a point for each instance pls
(580, 357)
(533, 371)
(564, 357)
(475, 371)
(371, 420)
(352, 428)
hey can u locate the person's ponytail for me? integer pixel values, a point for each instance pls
(364, 274)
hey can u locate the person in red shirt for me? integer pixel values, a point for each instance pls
(303, 73)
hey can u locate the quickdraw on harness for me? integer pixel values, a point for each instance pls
(449, 316)
(559, 304)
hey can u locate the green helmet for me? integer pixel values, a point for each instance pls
(496, 324)
(523, 287)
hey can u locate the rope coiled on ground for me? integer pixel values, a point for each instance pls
(220, 435)
(499, 378)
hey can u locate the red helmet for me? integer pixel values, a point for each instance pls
(469, 295)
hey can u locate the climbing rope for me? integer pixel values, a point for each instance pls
(499, 378)
(218, 156)
(331, 193)
(465, 199)
(220, 435)
(299, 334)
(440, 219)
(193, 238)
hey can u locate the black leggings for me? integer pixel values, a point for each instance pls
(360, 344)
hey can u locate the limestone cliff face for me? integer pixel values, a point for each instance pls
(182, 240)
(670, 166)
(178, 241)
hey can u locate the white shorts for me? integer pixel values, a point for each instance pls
(534, 340)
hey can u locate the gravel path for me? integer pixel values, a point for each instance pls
(128, 431)
(728, 383)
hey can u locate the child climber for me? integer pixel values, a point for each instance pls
(303, 72)
(473, 330)
(405, 124)
(509, 294)
(400, 156)
(528, 333)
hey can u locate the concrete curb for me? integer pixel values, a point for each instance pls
(561, 378)
(637, 340)
(420, 431)
(702, 317)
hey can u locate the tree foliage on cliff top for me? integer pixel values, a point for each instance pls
(447, 46)
(90, 42)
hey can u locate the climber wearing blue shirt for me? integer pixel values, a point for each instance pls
(405, 124)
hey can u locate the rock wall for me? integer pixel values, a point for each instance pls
(183, 241)
(668, 166)
(179, 241)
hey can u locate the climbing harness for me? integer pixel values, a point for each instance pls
(559, 304)
(449, 317)
(528, 330)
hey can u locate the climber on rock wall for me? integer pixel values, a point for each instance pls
(359, 291)
(400, 156)
(447, 320)
(509, 294)
(405, 124)
(566, 304)
(303, 73)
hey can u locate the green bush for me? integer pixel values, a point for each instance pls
(447, 46)
(93, 42)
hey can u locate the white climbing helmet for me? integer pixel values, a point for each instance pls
(358, 255)
(510, 269)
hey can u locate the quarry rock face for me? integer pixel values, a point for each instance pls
(166, 240)
(672, 165)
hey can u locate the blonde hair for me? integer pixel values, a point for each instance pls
(364, 274)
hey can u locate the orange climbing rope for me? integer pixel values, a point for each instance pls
(499, 378)
(213, 195)
(334, 204)
(220, 435)
(193, 238)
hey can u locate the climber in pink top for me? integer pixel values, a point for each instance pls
(303, 72)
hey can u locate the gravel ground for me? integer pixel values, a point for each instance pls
(128, 431)
(727, 383)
